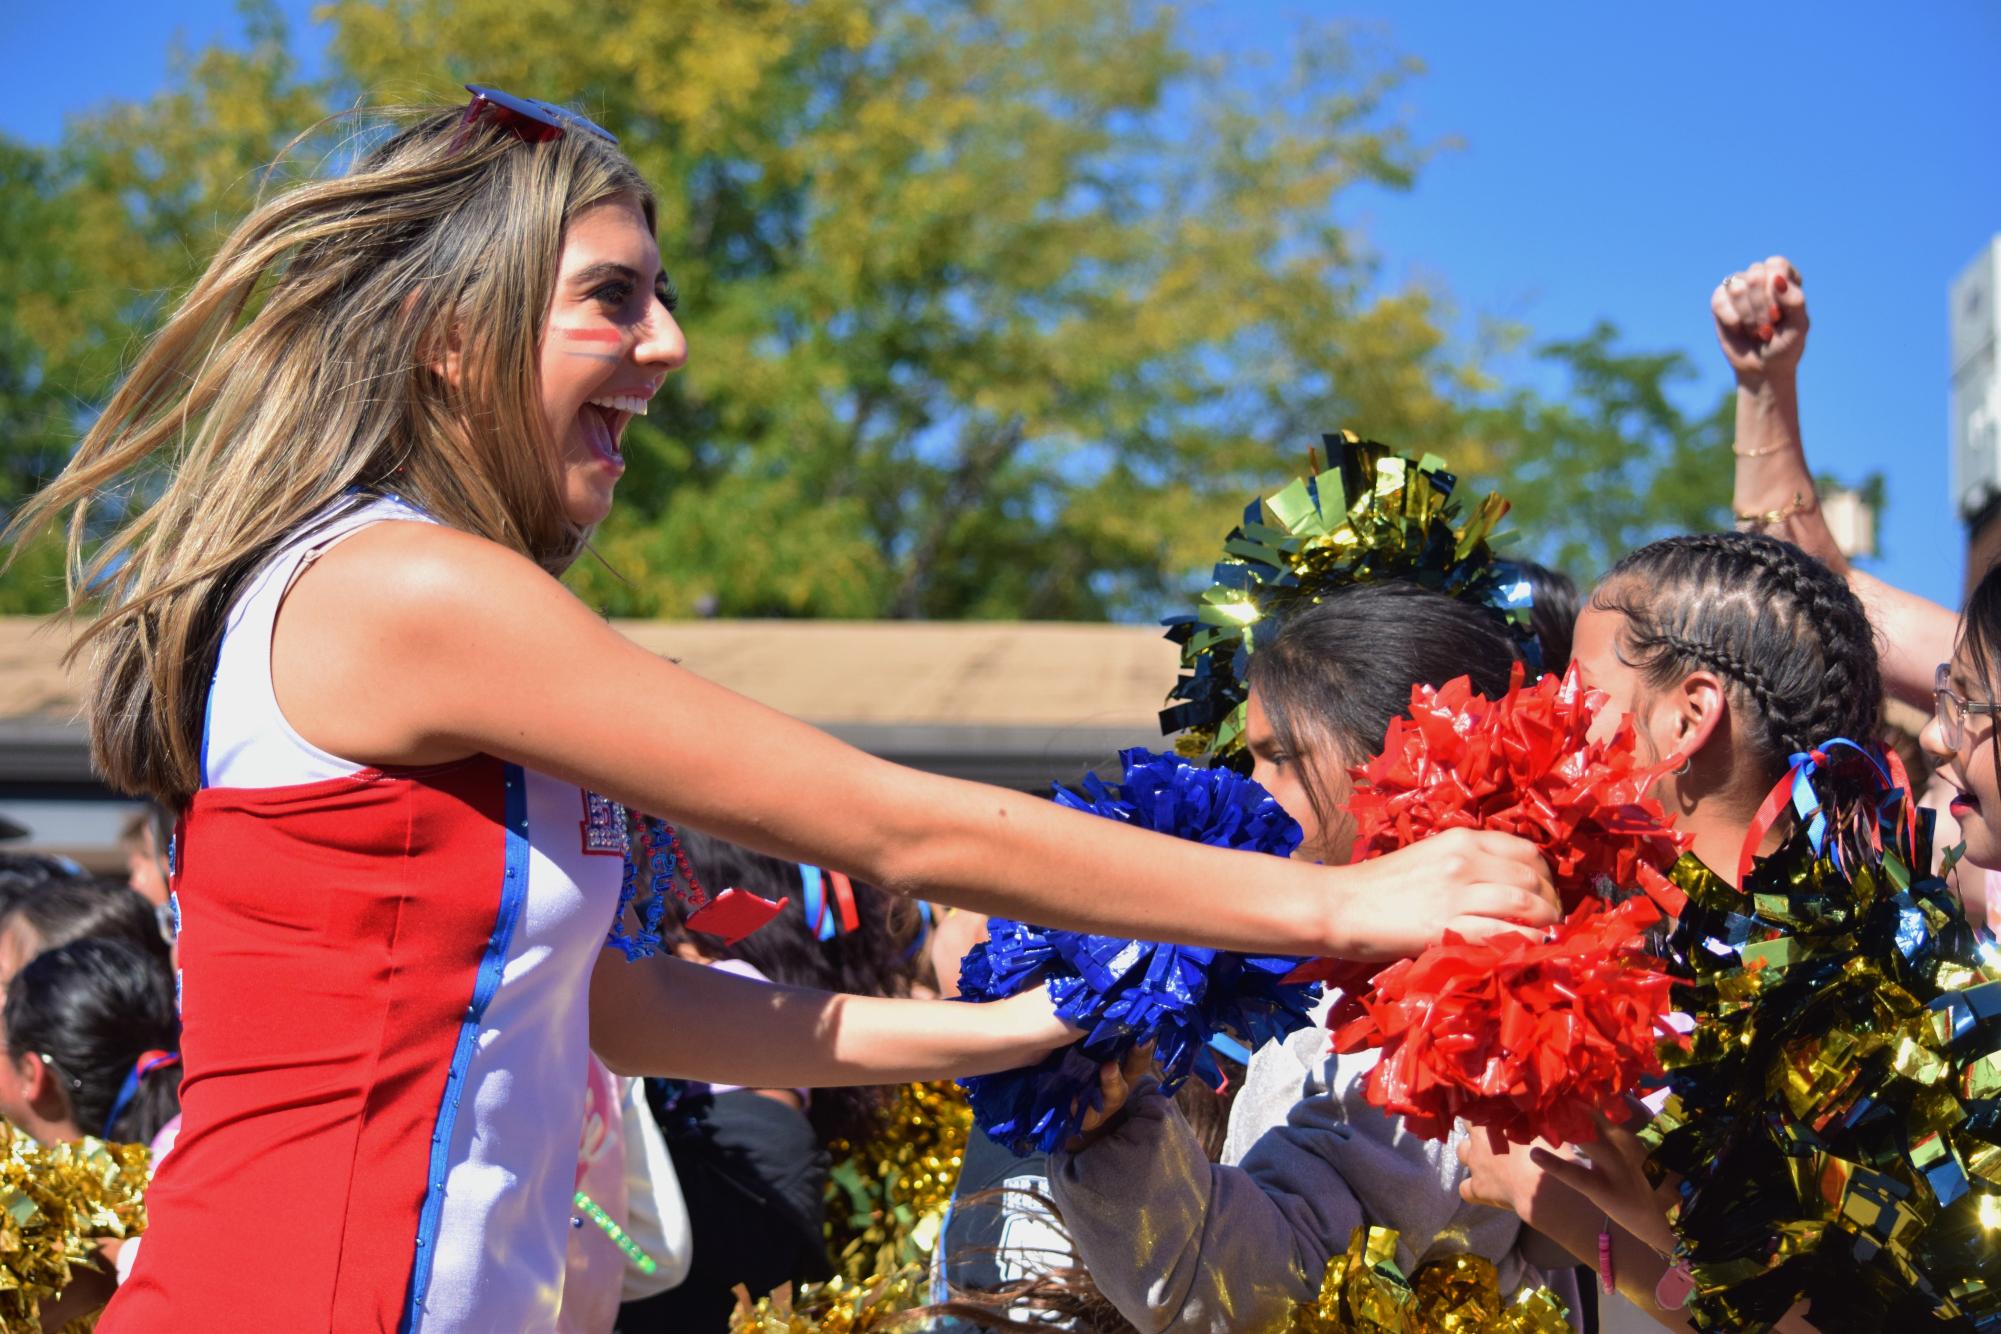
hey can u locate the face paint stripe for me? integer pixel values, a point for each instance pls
(592, 335)
(593, 356)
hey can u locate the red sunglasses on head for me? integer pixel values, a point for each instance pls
(529, 118)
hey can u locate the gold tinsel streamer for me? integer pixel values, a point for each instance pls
(886, 1199)
(1835, 1116)
(1372, 514)
(836, 1307)
(56, 1203)
(1364, 1292)
(886, 1202)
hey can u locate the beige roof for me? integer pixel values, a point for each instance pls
(33, 681)
(1017, 704)
(881, 673)
(995, 673)
(957, 673)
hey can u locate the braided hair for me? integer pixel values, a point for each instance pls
(1787, 636)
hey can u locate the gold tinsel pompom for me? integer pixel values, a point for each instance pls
(1364, 1292)
(886, 1199)
(56, 1203)
(835, 1307)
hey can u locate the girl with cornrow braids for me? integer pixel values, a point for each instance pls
(1732, 652)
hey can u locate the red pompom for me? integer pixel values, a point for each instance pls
(1524, 1037)
(1523, 764)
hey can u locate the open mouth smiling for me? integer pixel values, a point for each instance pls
(604, 420)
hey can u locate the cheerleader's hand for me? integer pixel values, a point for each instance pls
(1473, 882)
(1116, 1082)
(1761, 320)
(1530, 1180)
(1028, 1021)
(1510, 1178)
(1611, 1173)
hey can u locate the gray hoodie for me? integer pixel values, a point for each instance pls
(1178, 1243)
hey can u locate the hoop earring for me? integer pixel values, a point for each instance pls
(1682, 772)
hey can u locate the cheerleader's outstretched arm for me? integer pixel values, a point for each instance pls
(458, 646)
(667, 1016)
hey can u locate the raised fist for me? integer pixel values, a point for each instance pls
(1761, 319)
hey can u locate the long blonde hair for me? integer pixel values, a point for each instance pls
(299, 371)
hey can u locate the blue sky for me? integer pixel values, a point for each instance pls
(1616, 160)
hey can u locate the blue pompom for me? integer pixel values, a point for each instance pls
(1126, 993)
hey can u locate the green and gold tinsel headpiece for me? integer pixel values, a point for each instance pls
(1372, 514)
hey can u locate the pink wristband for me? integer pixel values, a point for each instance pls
(1605, 1279)
(1671, 1293)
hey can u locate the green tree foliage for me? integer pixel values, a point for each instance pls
(1611, 460)
(34, 420)
(103, 231)
(43, 398)
(997, 308)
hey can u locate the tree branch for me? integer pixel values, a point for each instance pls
(963, 489)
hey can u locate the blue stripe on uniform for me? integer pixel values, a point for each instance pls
(208, 719)
(513, 889)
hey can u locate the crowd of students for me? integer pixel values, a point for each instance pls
(393, 1075)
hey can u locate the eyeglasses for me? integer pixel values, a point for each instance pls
(1953, 711)
(530, 118)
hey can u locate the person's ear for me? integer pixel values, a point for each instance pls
(443, 361)
(29, 1073)
(42, 1087)
(446, 367)
(1695, 708)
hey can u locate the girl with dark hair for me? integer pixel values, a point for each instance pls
(91, 1049)
(1732, 652)
(1323, 692)
(376, 430)
(91, 1045)
(73, 909)
(1178, 1242)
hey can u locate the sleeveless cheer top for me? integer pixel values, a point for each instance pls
(384, 980)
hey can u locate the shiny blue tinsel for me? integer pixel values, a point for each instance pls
(655, 850)
(1125, 993)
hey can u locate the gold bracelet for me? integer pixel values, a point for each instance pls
(1756, 453)
(1759, 520)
